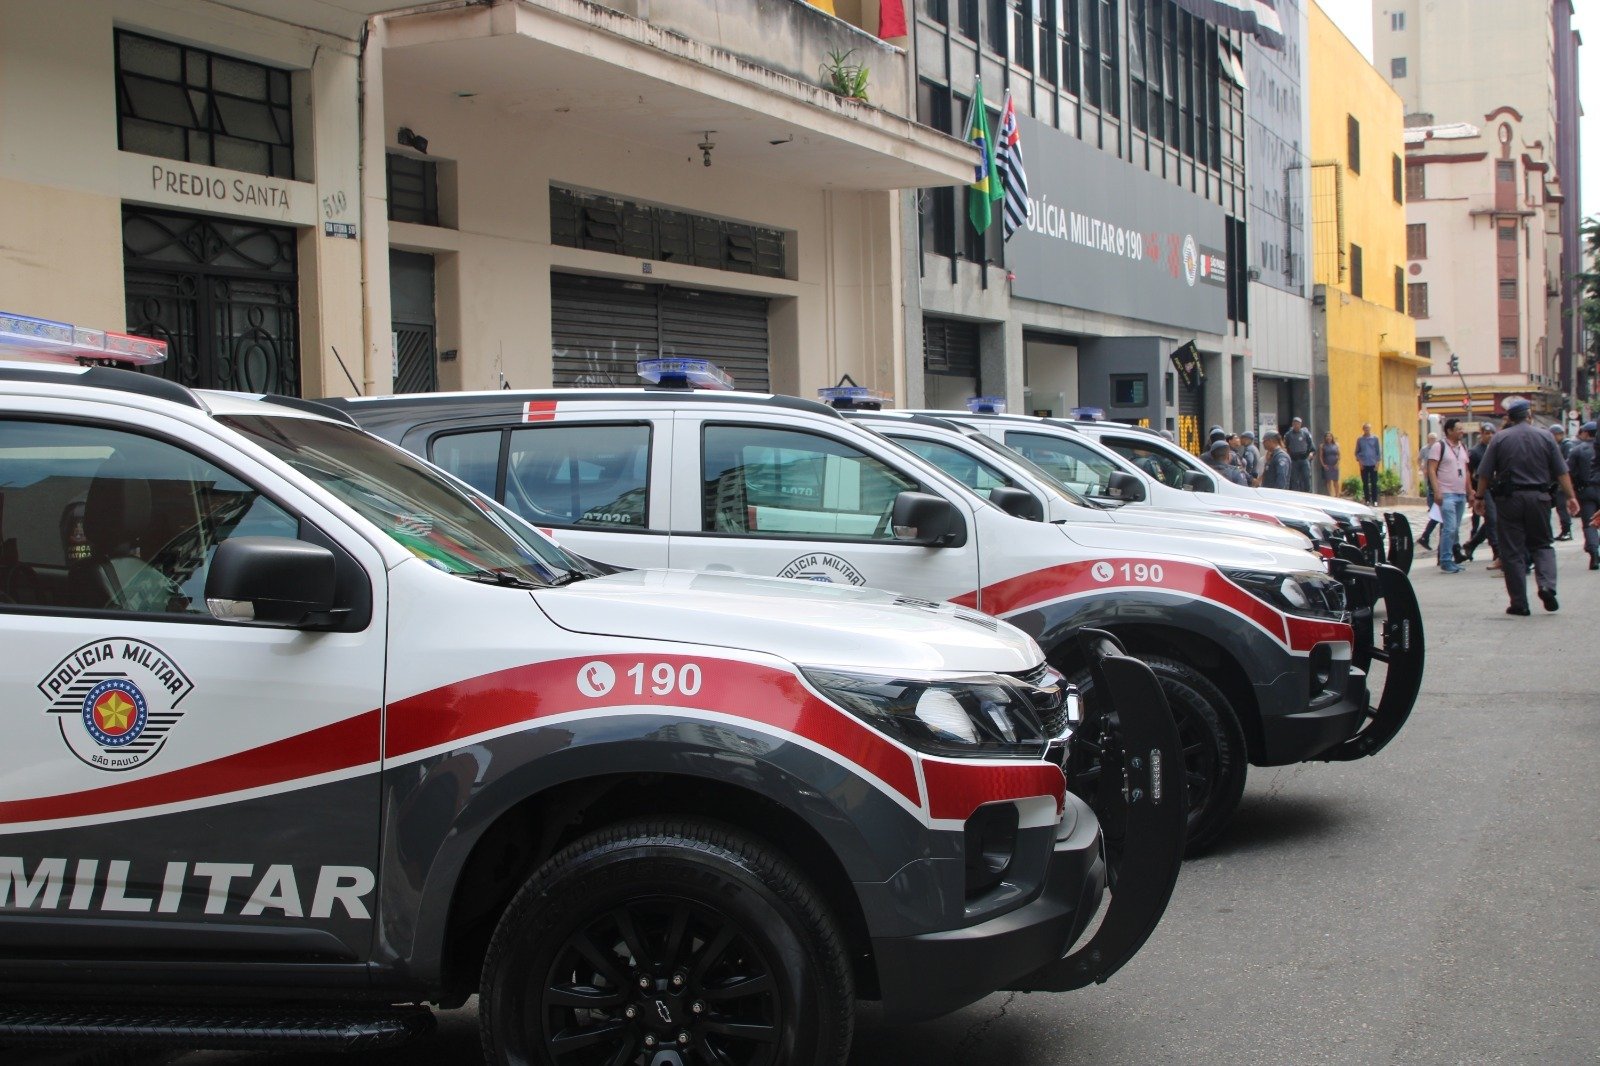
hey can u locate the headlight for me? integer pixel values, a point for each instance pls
(1318, 531)
(970, 716)
(1304, 592)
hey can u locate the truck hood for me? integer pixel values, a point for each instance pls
(1210, 524)
(1218, 549)
(805, 622)
(1339, 507)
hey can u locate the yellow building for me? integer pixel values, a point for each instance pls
(1365, 349)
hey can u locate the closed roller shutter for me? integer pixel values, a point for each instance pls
(601, 327)
(729, 330)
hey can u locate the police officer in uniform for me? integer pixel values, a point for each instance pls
(1559, 432)
(1299, 444)
(1220, 459)
(1519, 468)
(1584, 466)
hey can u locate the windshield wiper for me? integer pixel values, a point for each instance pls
(501, 577)
(569, 577)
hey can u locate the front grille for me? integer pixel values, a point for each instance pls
(1048, 693)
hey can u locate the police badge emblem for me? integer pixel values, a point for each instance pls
(115, 701)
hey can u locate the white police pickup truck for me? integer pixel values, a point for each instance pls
(1253, 643)
(304, 735)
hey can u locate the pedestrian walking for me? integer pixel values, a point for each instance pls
(1487, 510)
(1250, 457)
(1220, 459)
(1328, 459)
(1427, 487)
(1584, 466)
(1559, 432)
(1520, 468)
(1275, 464)
(1447, 478)
(1369, 453)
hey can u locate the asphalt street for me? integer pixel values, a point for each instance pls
(1439, 903)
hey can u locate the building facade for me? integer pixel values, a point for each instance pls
(1482, 217)
(1278, 171)
(1132, 122)
(1465, 61)
(1364, 340)
(367, 197)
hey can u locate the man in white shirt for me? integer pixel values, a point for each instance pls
(1452, 489)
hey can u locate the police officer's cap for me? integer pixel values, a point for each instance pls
(1488, 427)
(1218, 446)
(1559, 428)
(1248, 434)
(1589, 427)
(1519, 406)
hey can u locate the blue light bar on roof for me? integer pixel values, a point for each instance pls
(987, 405)
(684, 374)
(42, 338)
(1089, 414)
(855, 398)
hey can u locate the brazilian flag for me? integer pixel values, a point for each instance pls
(985, 189)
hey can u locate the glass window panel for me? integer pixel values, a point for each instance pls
(148, 138)
(579, 475)
(141, 55)
(157, 101)
(968, 469)
(472, 457)
(241, 118)
(768, 482)
(242, 155)
(240, 79)
(103, 520)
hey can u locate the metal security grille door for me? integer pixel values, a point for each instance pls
(222, 294)
(601, 327)
(411, 294)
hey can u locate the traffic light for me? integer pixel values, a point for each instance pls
(1427, 392)
(1455, 364)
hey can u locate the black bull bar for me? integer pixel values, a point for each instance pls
(1390, 541)
(1141, 799)
(1396, 641)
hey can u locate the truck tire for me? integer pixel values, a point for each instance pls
(1213, 742)
(656, 936)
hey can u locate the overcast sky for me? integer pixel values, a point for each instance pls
(1354, 17)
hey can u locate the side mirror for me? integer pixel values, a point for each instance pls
(1125, 487)
(1018, 503)
(1195, 481)
(273, 581)
(920, 518)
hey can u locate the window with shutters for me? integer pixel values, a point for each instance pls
(1417, 297)
(1397, 20)
(1508, 349)
(640, 231)
(1417, 240)
(1425, 348)
(1397, 67)
(1416, 182)
(413, 189)
(1357, 284)
(1352, 136)
(186, 103)
(1400, 290)
(1398, 177)
(1508, 289)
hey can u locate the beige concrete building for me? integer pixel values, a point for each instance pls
(1483, 221)
(330, 196)
(1471, 61)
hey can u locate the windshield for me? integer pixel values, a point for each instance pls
(1046, 478)
(425, 511)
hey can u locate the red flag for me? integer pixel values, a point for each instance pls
(891, 18)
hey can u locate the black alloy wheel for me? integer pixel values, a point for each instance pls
(666, 944)
(1214, 757)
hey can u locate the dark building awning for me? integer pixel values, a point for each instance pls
(1258, 17)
